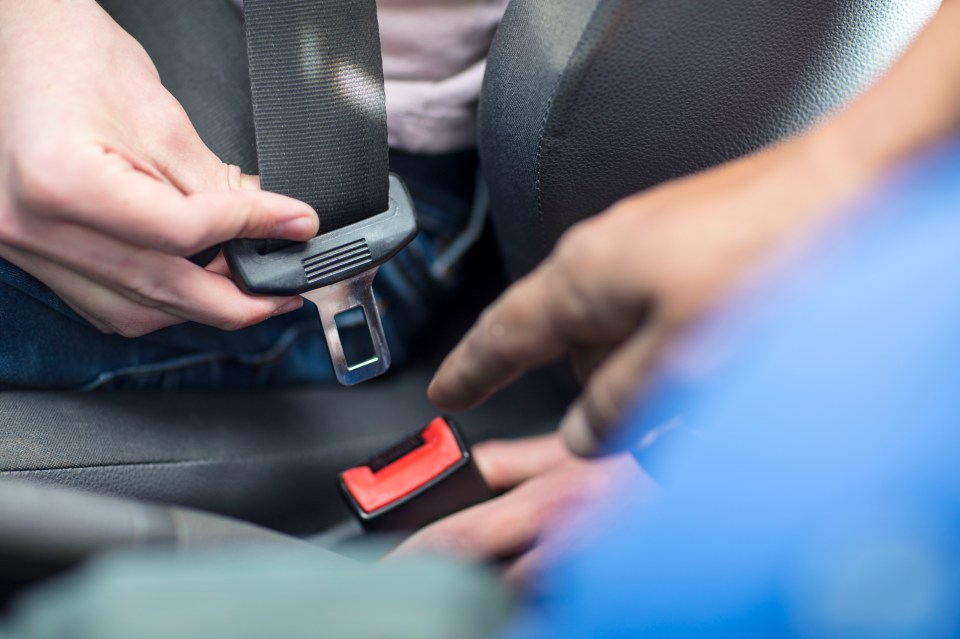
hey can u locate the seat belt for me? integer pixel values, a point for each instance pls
(316, 75)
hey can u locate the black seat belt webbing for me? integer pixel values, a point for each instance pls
(316, 75)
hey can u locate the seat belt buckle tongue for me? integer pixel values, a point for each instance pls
(335, 271)
(415, 482)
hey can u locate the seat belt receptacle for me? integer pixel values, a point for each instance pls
(415, 482)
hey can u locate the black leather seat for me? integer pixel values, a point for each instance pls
(586, 101)
(271, 457)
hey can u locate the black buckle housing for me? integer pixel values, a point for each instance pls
(330, 257)
(440, 489)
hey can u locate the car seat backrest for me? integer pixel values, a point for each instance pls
(588, 101)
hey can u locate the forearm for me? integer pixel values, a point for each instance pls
(916, 104)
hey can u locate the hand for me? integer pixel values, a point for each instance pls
(621, 285)
(105, 186)
(546, 487)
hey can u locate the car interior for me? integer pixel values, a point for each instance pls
(584, 102)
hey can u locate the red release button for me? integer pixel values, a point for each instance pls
(373, 491)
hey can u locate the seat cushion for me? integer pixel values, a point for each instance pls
(269, 457)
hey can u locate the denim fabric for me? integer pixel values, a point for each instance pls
(44, 344)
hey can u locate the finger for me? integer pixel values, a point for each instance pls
(610, 391)
(586, 359)
(511, 524)
(192, 167)
(505, 464)
(515, 333)
(110, 195)
(523, 572)
(601, 486)
(105, 310)
(108, 312)
(183, 158)
(535, 322)
(219, 265)
(159, 281)
(500, 528)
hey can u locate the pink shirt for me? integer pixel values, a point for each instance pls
(434, 54)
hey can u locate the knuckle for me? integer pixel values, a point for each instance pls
(566, 257)
(577, 239)
(487, 348)
(143, 62)
(251, 218)
(581, 307)
(568, 498)
(577, 256)
(599, 246)
(232, 176)
(173, 125)
(602, 404)
(500, 325)
(146, 291)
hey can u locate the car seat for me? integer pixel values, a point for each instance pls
(585, 101)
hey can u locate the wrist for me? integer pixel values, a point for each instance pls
(810, 176)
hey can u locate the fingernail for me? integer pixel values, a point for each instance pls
(305, 226)
(292, 305)
(438, 398)
(432, 386)
(578, 435)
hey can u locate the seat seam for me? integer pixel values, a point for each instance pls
(541, 141)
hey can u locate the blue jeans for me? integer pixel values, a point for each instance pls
(45, 345)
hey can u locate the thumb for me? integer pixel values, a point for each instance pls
(610, 391)
(180, 154)
(189, 165)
